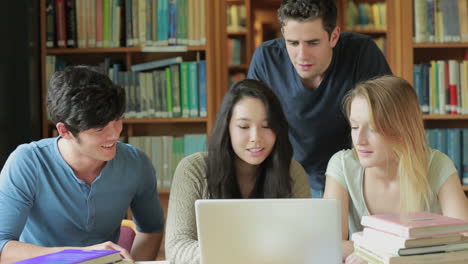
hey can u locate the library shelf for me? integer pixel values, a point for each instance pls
(125, 50)
(440, 45)
(445, 117)
(367, 31)
(234, 2)
(237, 33)
(165, 120)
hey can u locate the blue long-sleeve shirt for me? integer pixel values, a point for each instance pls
(42, 202)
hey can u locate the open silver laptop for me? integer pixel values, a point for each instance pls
(269, 231)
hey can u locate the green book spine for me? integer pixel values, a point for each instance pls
(106, 28)
(168, 92)
(184, 88)
(193, 89)
(175, 77)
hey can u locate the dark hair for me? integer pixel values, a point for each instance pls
(273, 180)
(302, 10)
(82, 98)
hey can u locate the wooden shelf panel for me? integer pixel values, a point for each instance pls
(165, 120)
(445, 117)
(440, 45)
(368, 31)
(235, 2)
(237, 33)
(124, 50)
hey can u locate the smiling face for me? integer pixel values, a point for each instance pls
(371, 147)
(98, 144)
(310, 48)
(251, 137)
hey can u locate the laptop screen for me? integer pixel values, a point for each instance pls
(273, 231)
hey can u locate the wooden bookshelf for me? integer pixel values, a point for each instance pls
(213, 52)
(242, 35)
(165, 120)
(446, 117)
(366, 31)
(440, 45)
(390, 32)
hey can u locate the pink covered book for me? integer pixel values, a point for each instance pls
(415, 225)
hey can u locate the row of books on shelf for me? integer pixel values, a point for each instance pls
(175, 89)
(412, 238)
(454, 143)
(236, 18)
(234, 50)
(165, 152)
(442, 86)
(124, 23)
(366, 15)
(440, 20)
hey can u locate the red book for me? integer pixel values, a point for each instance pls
(415, 225)
(60, 23)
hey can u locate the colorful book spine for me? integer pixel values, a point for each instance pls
(168, 88)
(184, 88)
(60, 16)
(71, 23)
(172, 29)
(193, 89)
(465, 156)
(202, 88)
(176, 105)
(50, 24)
(99, 24)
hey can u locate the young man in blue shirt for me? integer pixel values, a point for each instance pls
(74, 190)
(310, 69)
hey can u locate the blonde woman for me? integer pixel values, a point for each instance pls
(390, 168)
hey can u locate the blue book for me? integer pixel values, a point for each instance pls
(454, 147)
(202, 88)
(417, 76)
(172, 22)
(193, 89)
(465, 155)
(163, 22)
(425, 87)
(156, 64)
(70, 256)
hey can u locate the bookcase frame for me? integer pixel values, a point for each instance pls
(412, 53)
(214, 53)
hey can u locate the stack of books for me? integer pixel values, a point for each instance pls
(412, 238)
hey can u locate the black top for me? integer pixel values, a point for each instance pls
(317, 125)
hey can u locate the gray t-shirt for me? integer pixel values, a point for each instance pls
(344, 167)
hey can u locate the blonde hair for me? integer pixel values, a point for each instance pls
(396, 115)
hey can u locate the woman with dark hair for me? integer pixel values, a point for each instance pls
(249, 156)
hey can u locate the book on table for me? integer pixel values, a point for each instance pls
(415, 225)
(72, 256)
(393, 241)
(373, 256)
(362, 239)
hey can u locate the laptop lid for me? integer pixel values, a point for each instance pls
(269, 231)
